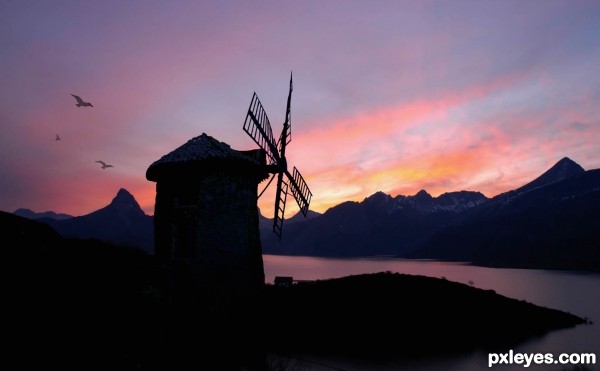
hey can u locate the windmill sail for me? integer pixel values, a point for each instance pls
(257, 126)
(300, 190)
(280, 200)
(287, 125)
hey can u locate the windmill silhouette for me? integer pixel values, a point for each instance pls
(257, 126)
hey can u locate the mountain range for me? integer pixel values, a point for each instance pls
(551, 222)
(122, 222)
(30, 214)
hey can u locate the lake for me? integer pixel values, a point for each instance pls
(574, 292)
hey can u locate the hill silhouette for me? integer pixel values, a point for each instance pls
(85, 304)
(73, 304)
(427, 314)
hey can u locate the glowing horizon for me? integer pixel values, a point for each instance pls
(393, 97)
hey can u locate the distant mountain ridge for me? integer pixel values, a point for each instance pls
(30, 214)
(554, 226)
(550, 222)
(379, 225)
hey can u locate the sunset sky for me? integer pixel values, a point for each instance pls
(392, 96)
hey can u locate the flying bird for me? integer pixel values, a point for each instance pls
(104, 164)
(80, 102)
(57, 137)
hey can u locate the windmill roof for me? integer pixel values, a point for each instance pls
(200, 149)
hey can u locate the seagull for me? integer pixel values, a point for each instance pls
(57, 137)
(80, 102)
(104, 164)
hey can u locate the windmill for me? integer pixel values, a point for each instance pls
(257, 126)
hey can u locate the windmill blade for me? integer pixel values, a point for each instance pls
(300, 190)
(280, 200)
(257, 126)
(286, 134)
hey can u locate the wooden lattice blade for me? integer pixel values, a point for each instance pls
(300, 190)
(280, 200)
(257, 126)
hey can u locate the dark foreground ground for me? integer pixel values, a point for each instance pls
(86, 305)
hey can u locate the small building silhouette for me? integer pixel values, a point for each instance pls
(283, 281)
(206, 215)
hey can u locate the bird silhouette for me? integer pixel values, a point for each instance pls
(81, 102)
(57, 137)
(104, 164)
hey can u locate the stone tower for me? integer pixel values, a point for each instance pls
(206, 216)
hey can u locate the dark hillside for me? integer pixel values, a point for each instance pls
(88, 305)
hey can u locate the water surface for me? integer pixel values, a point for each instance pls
(574, 292)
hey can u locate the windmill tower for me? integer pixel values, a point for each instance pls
(206, 217)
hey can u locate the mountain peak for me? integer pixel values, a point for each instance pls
(379, 196)
(123, 196)
(299, 217)
(563, 169)
(566, 162)
(378, 199)
(423, 194)
(125, 202)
